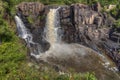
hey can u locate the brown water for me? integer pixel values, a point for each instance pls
(52, 26)
(51, 33)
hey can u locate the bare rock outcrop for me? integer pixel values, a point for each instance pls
(81, 22)
(31, 8)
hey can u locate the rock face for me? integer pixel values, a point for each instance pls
(33, 15)
(80, 23)
(32, 8)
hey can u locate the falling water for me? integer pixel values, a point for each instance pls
(53, 36)
(25, 34)
(53, 27)
(22, 30)
(52, 31)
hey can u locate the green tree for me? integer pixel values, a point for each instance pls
(116, 11)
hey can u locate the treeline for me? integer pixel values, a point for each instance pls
(9, 5)
(103, 2)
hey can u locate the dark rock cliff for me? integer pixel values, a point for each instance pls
(33, 15)
(80, 23)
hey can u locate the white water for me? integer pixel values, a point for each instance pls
(52, 29)
(25, 34)
(52, 33)
(22, 30)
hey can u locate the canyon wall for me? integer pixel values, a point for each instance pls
(83, 24)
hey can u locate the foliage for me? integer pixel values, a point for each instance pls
(9, 5)
(117, 24)
(107, 2)
(30, 20)
(10, 57)
(5, 33)
(71, 1)
(76, 76)
(116, 12)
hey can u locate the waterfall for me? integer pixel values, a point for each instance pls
(52, 30)
(25, 34)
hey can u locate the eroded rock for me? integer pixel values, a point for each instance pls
(31, 8)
